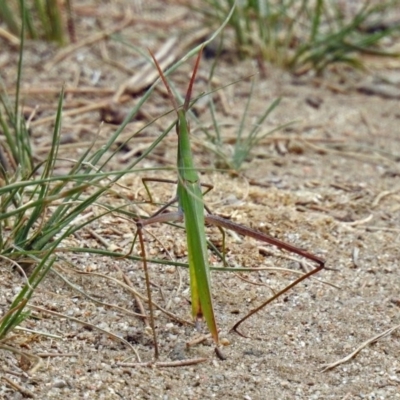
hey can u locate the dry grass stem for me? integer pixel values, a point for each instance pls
(165, 364)
(362, 346)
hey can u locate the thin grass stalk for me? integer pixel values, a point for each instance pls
(316, 20)
(26, 21)
(253, 138)
(18, 142)
(238, 143)
(235, 21)
(217, 138)
(56, 21)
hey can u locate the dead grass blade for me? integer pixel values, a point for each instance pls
(327, 367)
(24, 391)
(165, 364)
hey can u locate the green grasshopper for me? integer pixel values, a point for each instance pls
(191, 209)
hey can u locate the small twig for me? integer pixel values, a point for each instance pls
(20, 328)
(304, 266)
(242, 278)
(198, 340)
(19, 374)
(10, 37)
(381, 195)
(165, 364)
(81, 110)
(100, 238)
(48, 355)
(356, 351)
(56, 90)
(382, 228)
(359, 221)
(24, 391)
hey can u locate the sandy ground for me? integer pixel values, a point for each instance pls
(329, 183)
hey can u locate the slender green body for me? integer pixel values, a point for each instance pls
(191, 203)
(191, 209)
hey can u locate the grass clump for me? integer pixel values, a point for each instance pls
(41, 19)
(245, 140)
(38, 208)
(303, 35)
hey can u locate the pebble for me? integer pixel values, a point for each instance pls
(59, 383)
